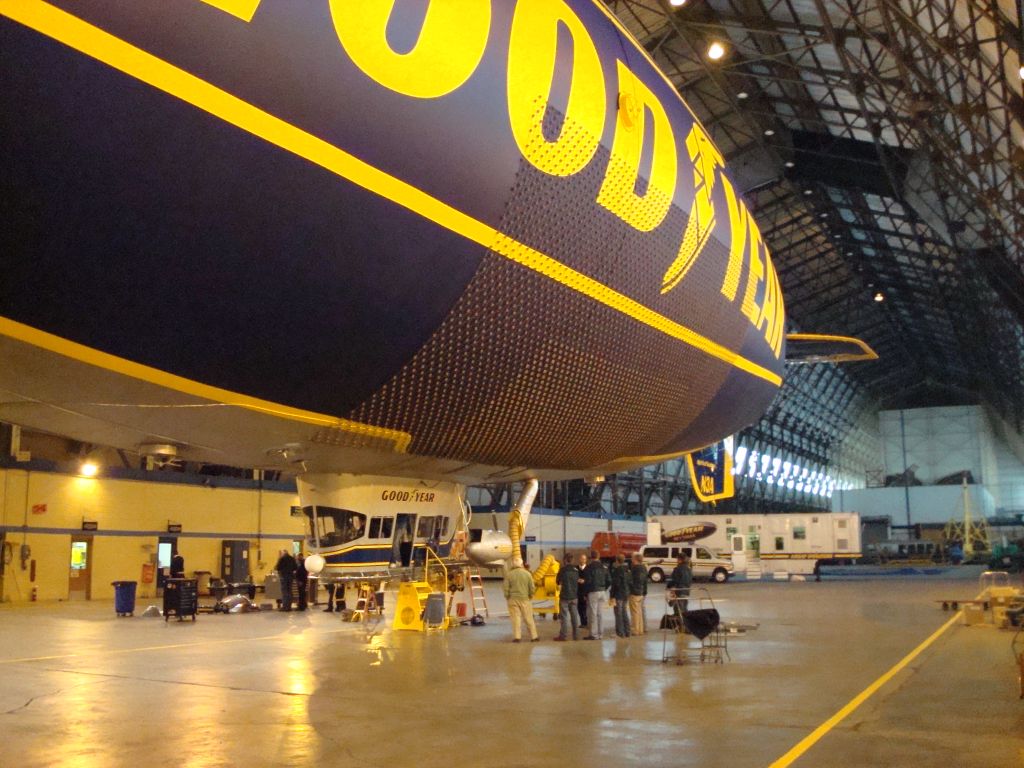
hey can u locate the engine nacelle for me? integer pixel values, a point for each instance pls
(491, 548)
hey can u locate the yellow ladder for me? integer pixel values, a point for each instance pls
(476, 593)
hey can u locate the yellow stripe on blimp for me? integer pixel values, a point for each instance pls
(111, 50)
(90, 356)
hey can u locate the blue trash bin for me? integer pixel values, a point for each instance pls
(124, 597)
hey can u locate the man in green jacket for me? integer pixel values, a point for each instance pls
(519, 589)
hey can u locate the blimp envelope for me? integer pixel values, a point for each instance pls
(466, 238)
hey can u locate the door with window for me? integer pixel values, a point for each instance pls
(739, 553)
(80, 575)
(166, 549)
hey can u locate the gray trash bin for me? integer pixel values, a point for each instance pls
(272, 586)
(433, 614)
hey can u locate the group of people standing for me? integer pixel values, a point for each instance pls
(292, 570)
(586, 587)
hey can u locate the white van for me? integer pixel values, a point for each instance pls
(705, 564)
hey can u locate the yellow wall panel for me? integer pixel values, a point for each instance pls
(46, 509)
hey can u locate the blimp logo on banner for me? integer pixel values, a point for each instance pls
(689, 533)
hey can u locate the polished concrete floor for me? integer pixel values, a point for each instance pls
(81, 687)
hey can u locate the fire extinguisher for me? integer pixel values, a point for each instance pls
(35, 593)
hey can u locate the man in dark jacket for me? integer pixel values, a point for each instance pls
(177, 566)
(568, 583)
(620, 579)
(679, 584)
(637, 595)
(286, 567)
(596, 581)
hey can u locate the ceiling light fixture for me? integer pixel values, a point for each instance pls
(1021, 72)
(88, 469)
(677, 3)
(716, 51)
(789, 163)
(769, 132)
(879, 296)
(742, 95)
(808, 191)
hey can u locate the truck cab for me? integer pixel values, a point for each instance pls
(705, 564)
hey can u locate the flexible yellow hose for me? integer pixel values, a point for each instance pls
(548, 566)
(515, 530)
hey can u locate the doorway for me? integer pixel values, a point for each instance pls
(401, 546)
(739, 553)
(80, 575)
(166, 549)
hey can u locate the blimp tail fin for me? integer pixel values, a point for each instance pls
(519, 515)
(711, 472)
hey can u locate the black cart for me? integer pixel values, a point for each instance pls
(181, 598)
(703, 623)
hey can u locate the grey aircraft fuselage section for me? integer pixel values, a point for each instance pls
(487, 240)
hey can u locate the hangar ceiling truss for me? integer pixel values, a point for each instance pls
(880, 144)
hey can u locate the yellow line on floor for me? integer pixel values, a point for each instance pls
(204, 643)
(859, 699)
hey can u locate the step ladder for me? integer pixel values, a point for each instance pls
(476, 593)
(368, 611)
(366, 602)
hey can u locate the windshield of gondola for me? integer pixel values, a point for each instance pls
(336, 526)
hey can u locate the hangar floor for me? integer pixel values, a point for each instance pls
(84, 688)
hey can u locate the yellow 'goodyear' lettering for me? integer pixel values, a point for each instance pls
(533, 45)
(447, 52)
(618, 192)
(450, 47)
(706, 160)
(422, 497)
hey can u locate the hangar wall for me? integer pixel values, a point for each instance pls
(939, 443)
(926, 503)
(45, 510)
(944, 441)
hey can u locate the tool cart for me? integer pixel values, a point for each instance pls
(181, 598)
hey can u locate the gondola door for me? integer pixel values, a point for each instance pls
(405, 534)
